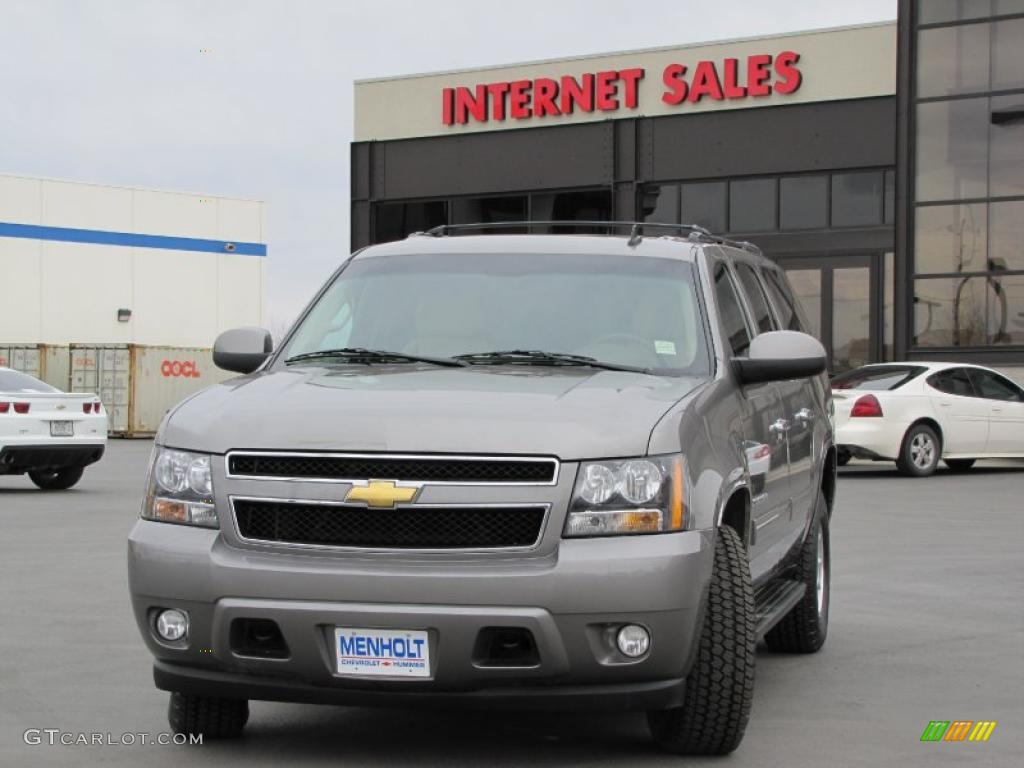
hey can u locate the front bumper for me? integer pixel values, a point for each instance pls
(566, 599)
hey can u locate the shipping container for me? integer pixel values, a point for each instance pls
(47, 362)
(139, 384)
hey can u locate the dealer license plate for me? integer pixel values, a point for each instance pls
(62, 429)
(382, 652)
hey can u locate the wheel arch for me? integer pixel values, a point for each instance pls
(929, 422)
(736, 513)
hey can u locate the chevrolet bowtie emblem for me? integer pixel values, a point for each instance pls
(382, 493)
(61, 407)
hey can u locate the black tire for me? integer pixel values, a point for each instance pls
(843, 458)
(959, 465)
(56, 479)
(720, 687)
(920, 452)
(805, 627)
(210, 716)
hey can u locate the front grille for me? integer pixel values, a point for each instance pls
(403, 468)
(420, 527)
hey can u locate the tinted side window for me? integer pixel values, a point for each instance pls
(755, 297)
(994, 387)
(782, 297)
(954, 381)
(730, 312)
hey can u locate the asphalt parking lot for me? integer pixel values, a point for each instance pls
(926, 625)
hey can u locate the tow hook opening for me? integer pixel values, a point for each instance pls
(260, 638)
(505, 647)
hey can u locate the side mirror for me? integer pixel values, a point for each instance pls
(780, 355)
(242, 350)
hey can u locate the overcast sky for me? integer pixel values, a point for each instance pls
(118, 92)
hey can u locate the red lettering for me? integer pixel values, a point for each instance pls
(785, 68)
(758, 74)
(544, 92)
(446, 106)
(705, 82)
(606, 90)
(733, 90)
(471, 103)
(672, 77)
(574, 94)
(632, 78)
(497, 93)
(519, 99)
(165, 368)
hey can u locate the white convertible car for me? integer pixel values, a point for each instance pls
(918, 413)
(51, 435)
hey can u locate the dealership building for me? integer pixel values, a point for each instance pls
(881, 165)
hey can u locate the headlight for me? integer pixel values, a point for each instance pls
(628, 496)
(179, 489)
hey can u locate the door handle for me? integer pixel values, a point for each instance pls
(804, 415)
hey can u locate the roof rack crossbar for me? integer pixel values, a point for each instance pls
(636, 230)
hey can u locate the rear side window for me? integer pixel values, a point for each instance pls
(785, 304)
(13, 382)
(877, 378)
(730, 312)
(994, 387)
(755, 297)
(953, 381)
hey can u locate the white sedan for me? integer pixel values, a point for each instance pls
(918, 413)
(51, 435)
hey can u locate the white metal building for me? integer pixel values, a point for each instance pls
(90, 264)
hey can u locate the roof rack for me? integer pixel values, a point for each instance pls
(636, 230)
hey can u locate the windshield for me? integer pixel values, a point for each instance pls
(626, 310)
(879, 378)
(13, 382)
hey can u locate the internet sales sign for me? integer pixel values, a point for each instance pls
(612, 90)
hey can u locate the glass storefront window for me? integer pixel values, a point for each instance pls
(889, 215)
(952, 60)
(952, 149)
(1006, 152)
(752, 205)
(395, 221)
(851, 320)
(950, 238)
(1007, 54)
(660, 203)
(950, 312)
(584, 205)
(806, 285)
(934, 11)
(1006, 235)
(705, 204)
(1006, 315)
(490, 210)
(857, 199)
(803, 202)
(888, 309)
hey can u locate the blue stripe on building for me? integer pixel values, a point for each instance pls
(102, 237)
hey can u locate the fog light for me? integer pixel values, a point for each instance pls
(633, 640)
(172, 625)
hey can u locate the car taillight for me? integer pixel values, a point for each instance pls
(22, 407)
(5, 407)
(96, 407)
(86, 407)
(867, 405)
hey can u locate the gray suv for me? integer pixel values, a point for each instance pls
(494, 469)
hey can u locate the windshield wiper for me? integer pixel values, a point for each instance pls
(540, 357)
(360, 355)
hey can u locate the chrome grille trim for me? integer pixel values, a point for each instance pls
(555, 467)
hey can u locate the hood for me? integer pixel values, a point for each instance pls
(571, 413)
